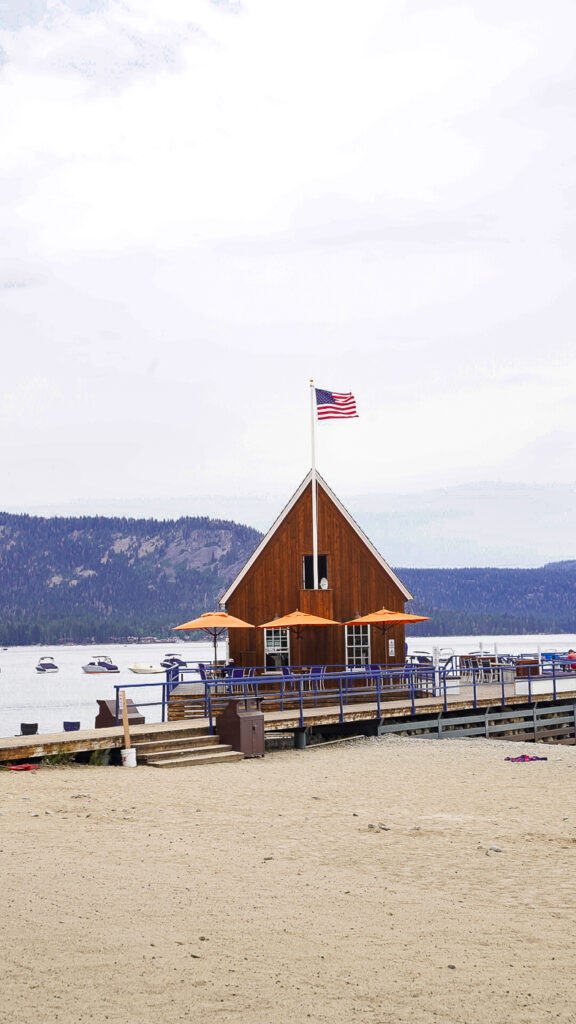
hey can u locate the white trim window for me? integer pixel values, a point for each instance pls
(276, 647)
(357, 646)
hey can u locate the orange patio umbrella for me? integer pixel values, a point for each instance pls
(296, 621)
(215, 623)
(385, 618)
(297, 618)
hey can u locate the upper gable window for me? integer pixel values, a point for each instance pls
(308, 572)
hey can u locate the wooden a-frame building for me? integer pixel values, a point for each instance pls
(353, 580)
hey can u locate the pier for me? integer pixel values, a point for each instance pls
(427, 701)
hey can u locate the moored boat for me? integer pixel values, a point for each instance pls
(173, 661)
(101, 663)
(46, 664)
(146, 670)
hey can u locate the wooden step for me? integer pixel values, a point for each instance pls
(165, 754)
(196, 758)
(174, 743)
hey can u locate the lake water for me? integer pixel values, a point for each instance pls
(71, 694)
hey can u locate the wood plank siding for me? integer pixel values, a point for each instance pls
(272, 584)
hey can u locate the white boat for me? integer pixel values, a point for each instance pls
(101, 663)
(46, 664)
(146, 670)
(173, 661)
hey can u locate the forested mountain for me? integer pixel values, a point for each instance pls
(99, 578)
(462, 601)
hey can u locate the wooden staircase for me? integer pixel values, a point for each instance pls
(187, 749)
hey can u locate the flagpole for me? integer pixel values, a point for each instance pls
(314, 499)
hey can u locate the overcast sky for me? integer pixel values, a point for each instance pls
(204, 204)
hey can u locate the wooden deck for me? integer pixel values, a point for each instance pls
(19, 748)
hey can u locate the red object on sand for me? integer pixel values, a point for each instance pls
(525, 757)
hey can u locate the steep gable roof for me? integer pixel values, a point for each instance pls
(285, 512)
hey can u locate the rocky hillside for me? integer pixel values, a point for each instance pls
(97, 578)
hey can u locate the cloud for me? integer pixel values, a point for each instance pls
(105, 42)
(19, 14)
(242, 197)
(16, 14)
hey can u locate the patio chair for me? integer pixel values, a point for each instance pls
(373, 673)
(548, 658)
(476, 669)
(316, 676)
(249, 674)
(236, 676)
(465, 669)
(489, 669)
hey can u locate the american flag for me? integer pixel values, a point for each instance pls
(334, 405)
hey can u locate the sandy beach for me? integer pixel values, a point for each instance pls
(345, 883)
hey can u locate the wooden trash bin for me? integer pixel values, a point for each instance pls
(527, 666)
(106, 716)
(241, 724)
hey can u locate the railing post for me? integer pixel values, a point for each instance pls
(340, 696)
(378, 684)
(300, 702)
(164, 699)
(554, 677)
(443, 671)
(529, 686)
(210, 722)
(412, 700)
(117, 711)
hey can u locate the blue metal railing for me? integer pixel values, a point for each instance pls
(163, 702)
(339, 686)
(298, 693)
(173, 677)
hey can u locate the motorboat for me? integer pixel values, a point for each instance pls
(46, 664)
(445, 654)
(146, 670)
(101, 663)
(173, 661)
(421, 658)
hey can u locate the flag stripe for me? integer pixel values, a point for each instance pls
(335, 405)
